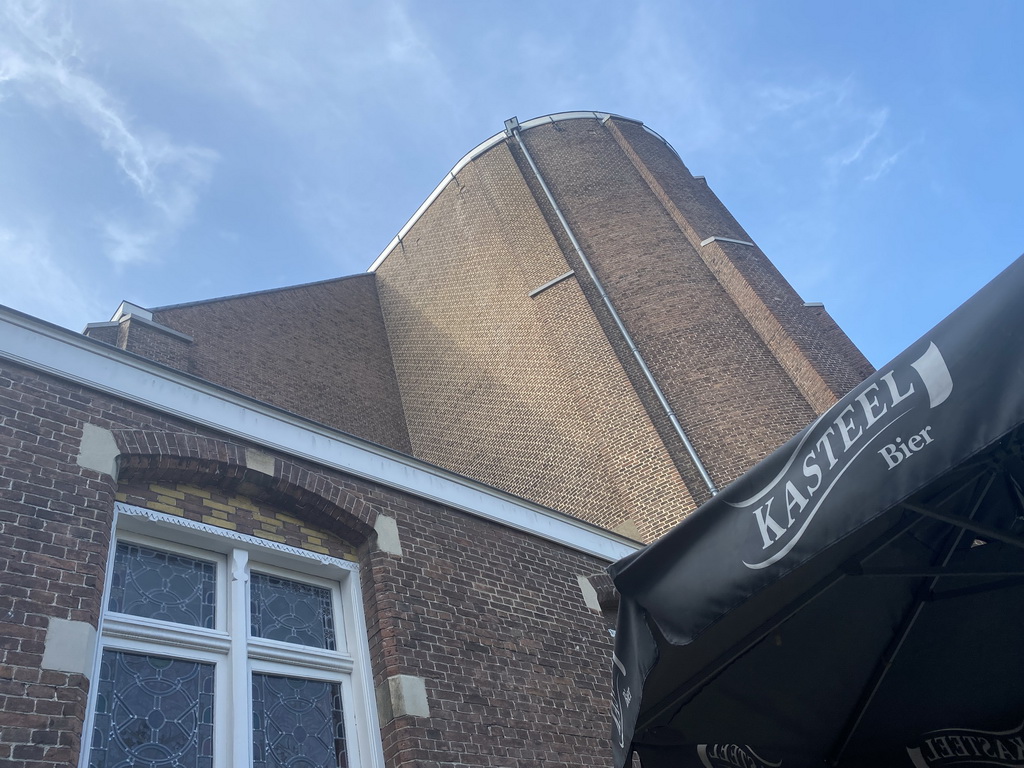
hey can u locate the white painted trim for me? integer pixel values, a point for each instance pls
(227, 533)
(79, 359)
(363, 704)
(127, 309)
(312, 658)
(725, 240)
(241, 701)
(85, 747)
(479, 149)
(551, 283)
(139, 630)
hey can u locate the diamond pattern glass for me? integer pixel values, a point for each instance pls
(163, 585)
(297, 723)
(152, 712)
(291, 611)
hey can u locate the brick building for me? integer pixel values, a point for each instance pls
(366, 519)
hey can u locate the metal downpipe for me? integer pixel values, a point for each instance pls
(512, 129)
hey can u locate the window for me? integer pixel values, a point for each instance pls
(220, 650)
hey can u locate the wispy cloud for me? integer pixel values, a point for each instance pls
(778, 97)
(830, 124)
(875, 124)
(660, 74)
(42, 60)
(329, 63)
(883, 166)
(321, 83)
(34, 282)
(129, 244)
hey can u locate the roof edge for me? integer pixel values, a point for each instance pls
(56, 351)
(261, 292)
(483, 147)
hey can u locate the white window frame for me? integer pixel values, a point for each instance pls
(229, 645)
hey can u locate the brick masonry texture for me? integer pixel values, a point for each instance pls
(515, 664)
(522, 393)
(319, 350)
(492, 619)
(819, 357)
(54, 534)
(542, 397)
(732, 396)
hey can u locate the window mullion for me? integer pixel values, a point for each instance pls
(238, 628)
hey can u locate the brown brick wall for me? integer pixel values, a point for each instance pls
(820, 359)
(106, 332)
(318, 350)
(522, 393)
(54, 534)
(541, 396)
(732, 397)
(494, 621)
(515, 664)
(154, 343)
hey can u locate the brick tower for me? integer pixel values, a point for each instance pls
(571, 307)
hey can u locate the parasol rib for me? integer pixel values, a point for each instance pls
(910, 618)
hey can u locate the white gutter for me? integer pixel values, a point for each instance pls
(503, 136)
(512, 129)
(70, 356)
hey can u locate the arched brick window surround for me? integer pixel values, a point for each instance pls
(150, 455)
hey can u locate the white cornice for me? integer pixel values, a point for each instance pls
(70, 356)
(717, 239)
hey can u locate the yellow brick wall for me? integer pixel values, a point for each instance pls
(236, 513)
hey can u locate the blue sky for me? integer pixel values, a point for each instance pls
(164, 151)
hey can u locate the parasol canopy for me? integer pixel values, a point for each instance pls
(857, 599)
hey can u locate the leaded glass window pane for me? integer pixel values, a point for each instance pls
(291, 611)
(296, 723)
(163, 585)
(152, 712)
